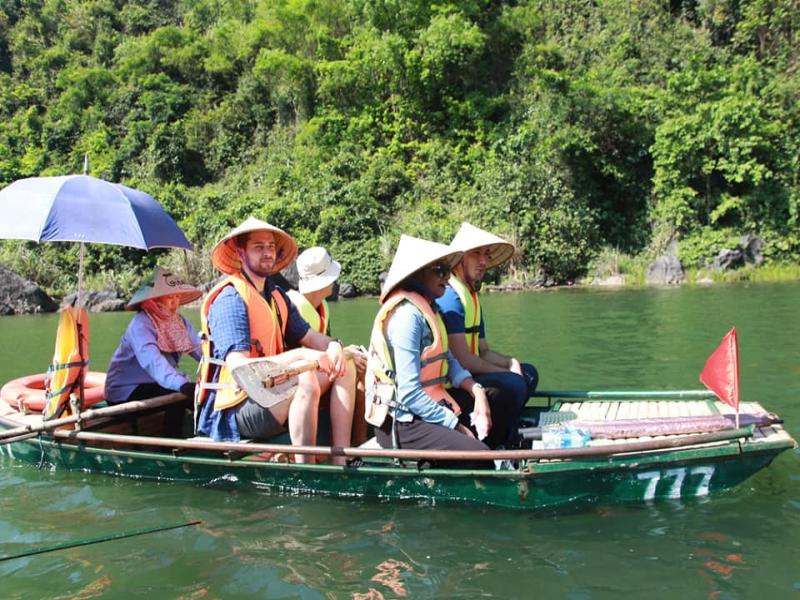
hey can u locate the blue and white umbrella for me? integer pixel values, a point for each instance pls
(82, 208)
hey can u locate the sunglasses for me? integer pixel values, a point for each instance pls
(441, 269)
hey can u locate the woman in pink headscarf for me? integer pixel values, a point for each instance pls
(145, 364)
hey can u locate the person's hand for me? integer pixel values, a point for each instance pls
(465, 430)
(187, 389)
(336, 353)
(481, 410)
(359, 358)
(514, 366)
(326, 365)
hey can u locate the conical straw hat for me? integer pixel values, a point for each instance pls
(411, 255)
(226, 259)
(163, 283)
(470, 237)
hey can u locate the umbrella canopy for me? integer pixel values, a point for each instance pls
(82, 208)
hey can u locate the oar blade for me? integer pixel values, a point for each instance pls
(251, 377)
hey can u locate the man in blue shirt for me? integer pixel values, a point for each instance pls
(246, 317)
(464, 320)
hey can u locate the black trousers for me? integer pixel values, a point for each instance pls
(504, 411)
(173, 413)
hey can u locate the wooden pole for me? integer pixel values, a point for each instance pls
(439, 455)
(92, 413)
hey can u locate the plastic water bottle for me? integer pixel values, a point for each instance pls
(481, 425)
(565, 436)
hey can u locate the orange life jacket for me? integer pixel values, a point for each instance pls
(380, 367)
(267, 330)
(71, 356)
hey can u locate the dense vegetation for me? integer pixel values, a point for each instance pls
(573, 127)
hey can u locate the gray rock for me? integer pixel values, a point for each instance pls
(753, 248)
(348, 290)
(97, 301)
(541, 279)
(610, 281)
(665, 270)
(20, 296)
(291, 275)
(728, 259)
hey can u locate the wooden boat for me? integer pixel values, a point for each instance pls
(634, 469)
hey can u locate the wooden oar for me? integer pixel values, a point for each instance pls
(268, 382)
(33, 429)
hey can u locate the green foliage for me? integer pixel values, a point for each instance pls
(699, 249)
(569, 126)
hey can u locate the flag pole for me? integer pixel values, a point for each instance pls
(736, 392)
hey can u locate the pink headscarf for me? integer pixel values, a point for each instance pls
(172, 334)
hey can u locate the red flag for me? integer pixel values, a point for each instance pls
(721, 373)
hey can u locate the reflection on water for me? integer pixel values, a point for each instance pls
(739, 544)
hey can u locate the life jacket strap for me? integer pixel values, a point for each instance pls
(68, 387)
(473, 329)
(213, 361)
(217, 386)
(58, 366)
(434, 381)
(434, 358)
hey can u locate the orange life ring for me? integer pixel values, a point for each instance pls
(27, 393)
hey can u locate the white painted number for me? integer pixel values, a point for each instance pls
(678, 478)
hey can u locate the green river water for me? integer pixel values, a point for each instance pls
(744, 543)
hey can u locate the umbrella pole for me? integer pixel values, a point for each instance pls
(80, 276)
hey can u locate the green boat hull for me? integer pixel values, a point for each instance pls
(681, 473)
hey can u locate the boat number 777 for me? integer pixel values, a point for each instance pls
(678, 477)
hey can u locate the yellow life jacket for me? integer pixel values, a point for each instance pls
(381, 388)
(267, 329)
(318, 319)
(472, 312)
(70, 359)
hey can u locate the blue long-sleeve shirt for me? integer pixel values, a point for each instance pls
(408, 334)
(138, 360)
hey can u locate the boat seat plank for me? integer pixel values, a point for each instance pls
(652, 409)
(663, 408)
(624, 410)
(724, 409)
(612, 411)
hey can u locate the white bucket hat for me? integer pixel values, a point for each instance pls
(317, 270)
(225, 257)
(413, 254)
(163, 283)
(470, 237)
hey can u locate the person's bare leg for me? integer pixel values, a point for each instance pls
(360, 427)
(342, 400)
(303, 414)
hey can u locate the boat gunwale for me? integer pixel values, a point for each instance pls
(714, 451)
